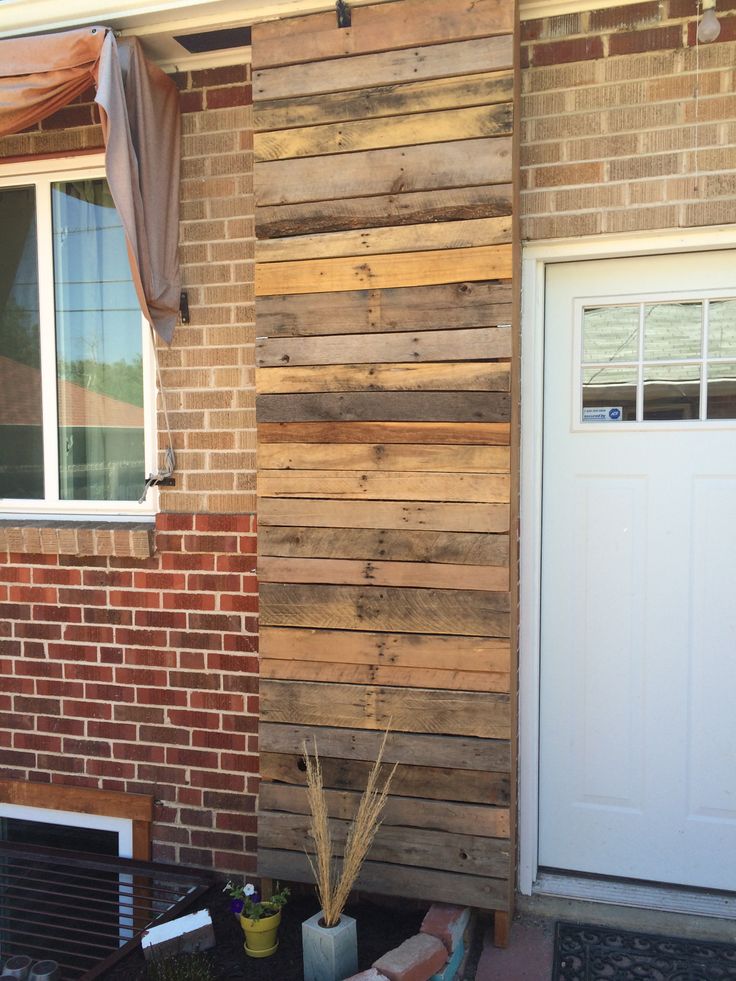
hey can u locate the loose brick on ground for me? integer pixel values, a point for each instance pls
(417, 959)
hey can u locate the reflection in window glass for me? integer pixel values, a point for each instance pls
(722, 391)
(671, 391)
(99, 354)
(611, 334)
(21, 422)
(609, 388)
(722, 329)
(672, 331)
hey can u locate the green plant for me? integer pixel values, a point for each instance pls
(182, 967)
(333, 885)
(246, 900)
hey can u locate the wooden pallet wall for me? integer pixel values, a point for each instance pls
(383, 184)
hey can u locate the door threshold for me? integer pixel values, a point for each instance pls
(625, 892)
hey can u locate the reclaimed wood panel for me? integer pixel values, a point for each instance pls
(488, 822)
(379, 210)
(458, 59)
(385, 233)
(446, 307)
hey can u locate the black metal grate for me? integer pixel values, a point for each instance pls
(86, 911)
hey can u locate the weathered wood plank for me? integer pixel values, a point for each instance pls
(427, 377)
(347, 572)
(488, 822)
(442, 126)
(445, 307)
(431, 651)
(478, 891)
(430, 782)
(416, 207)
(384, 486)
(367, 674)
(478, 344)
(451, 752)
(456, 58)
(440, 433)
(413, 168)
(377, 456)
(384, 514)
(470, 613)
(466, 853)
(409, 238)
(461, 91)
(385, 270)
(386, 406)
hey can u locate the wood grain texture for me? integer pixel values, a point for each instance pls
(461, 91)
(373, 707)
(461, 163)
(410, 65)
(442, 126)
(431, 782)
(449, 752)
(378, 456)
(446, 307)
(416, 22)
(80, 800)
(408, 238)
(385, 270)
(430, 651)
(384, 486)
(439, 433)
(480, 344)
(488, 822)
(377, 211)
(465, 853)
(386, 406)
(469, 613)
(384, 514)
(372, 572)
(426, 377)
(478, 891)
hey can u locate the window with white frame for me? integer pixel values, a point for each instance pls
(76, 391)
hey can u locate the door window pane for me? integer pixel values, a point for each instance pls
(609, 394)
(722, 329)
(21, 422)
(671, 391)
(99, 352)
(722, 391)
(672, 331)
(611, 334)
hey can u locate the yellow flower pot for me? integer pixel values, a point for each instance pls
(260, 935)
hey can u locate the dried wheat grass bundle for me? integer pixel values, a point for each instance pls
(333, 886)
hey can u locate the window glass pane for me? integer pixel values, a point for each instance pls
(722, 391)
(99, 354)
(672, 331)
(722, 329)
(609, 394)
(21, 430)
(611, 334)
(671, 391)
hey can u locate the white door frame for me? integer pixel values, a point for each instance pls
(535, 257)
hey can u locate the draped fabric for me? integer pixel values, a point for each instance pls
(141, 130)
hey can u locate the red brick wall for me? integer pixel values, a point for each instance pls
(141, 675)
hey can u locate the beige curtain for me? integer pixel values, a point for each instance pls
(140, 125)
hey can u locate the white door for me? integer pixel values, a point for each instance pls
(638, 673)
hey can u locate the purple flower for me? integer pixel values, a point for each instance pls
(236, 906)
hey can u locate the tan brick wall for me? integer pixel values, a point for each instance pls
(613, 139)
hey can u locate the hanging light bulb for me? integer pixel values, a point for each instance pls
(708, 28)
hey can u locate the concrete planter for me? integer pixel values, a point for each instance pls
(330, 953)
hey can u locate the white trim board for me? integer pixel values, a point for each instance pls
(535, 257)
(122, 827)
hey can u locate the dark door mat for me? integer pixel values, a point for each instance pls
(590, 953)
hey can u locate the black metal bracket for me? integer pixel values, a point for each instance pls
(344, 14)
(184, 307)
(154, 481)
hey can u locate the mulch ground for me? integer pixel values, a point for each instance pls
(381, 926)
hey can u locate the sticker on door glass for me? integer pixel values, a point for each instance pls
(603, 413)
